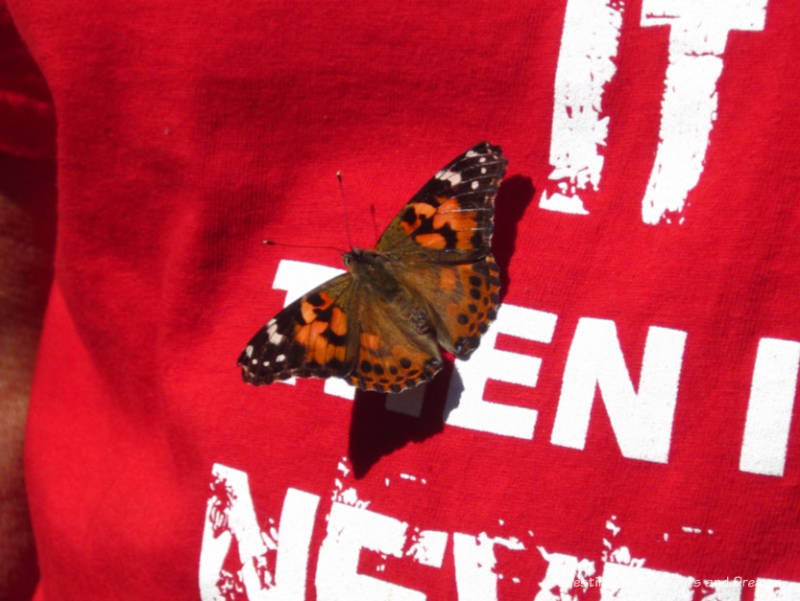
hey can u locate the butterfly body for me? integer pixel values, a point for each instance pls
(371, 269)
(430, 281)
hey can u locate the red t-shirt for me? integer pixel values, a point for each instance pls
(626, 429)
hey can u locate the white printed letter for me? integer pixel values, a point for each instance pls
(698, 34)
(466, 405)
(351, 529)
(230, 516)
(642, 422)
(476, 563)
(585, 65)
(769, 412)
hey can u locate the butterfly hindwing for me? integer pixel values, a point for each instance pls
(451, 218)
(397, 347)
(310, 337)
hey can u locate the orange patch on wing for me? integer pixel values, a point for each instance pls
(321, 347)
(451, 213)
(307, 311)
(424, 209)
(370, 341)
(434, 241)
(464, 240)
(309, 334)
(338, 322)
(327, 299)
(447, 279)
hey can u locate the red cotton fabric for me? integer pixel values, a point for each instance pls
(626, 429)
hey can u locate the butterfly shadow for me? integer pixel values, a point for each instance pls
(375, 430)
(513, 198)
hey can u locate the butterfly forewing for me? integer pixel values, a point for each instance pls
(452, 217)
(310, 337)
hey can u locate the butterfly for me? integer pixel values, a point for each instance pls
(430, 281)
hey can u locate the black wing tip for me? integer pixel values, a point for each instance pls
(250, 375)
(253, 379)
(483, 151)
(486, 147)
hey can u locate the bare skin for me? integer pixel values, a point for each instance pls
(27, 236)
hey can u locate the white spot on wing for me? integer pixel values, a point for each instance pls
(449, 176)
(280, 358)
(274, 336)
(249, 350)
(272, 332)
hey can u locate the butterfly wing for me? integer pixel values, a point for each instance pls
(451, 218)
(331, 332)
(396, 345)
(310, 337)
(462, 298)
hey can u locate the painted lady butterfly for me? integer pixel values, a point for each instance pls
(430, 279)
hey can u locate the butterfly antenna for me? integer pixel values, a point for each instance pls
(344, 207)
(374, 221)
(268, 242)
